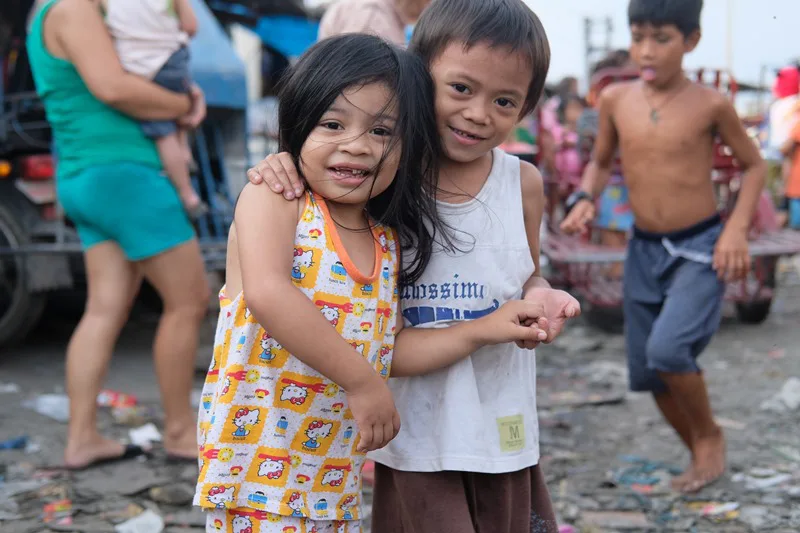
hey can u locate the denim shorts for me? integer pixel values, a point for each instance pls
(173, 76)
(672, 301)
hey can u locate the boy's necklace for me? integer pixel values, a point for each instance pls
(654, 111)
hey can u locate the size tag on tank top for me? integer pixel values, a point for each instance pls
(512, 433)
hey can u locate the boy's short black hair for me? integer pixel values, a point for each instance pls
(684, 14)
(498, 23)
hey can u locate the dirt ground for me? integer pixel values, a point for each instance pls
(606, 452)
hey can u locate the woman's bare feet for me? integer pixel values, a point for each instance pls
(93, 449)
(708, 463)
(678, 482)
(181, 444)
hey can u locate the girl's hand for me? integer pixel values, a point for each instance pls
(515, 321)
(280, 174)
(376, 416)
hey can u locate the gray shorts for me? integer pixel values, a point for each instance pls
(174, 76)
(672, 300)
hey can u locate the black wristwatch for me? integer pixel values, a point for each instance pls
(576, 197)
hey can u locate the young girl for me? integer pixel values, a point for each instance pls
(296, 393)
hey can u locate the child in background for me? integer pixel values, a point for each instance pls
(308, 331)
(680, 253)
(151, 38)
(614, 216)
(565, 135)
(467, 458)
(791, 153)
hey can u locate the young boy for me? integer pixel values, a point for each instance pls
(151, 38)
(467, 457)
(680, 254)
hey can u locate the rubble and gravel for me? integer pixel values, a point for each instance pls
(607, 455)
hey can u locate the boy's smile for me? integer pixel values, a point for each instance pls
(480, 92)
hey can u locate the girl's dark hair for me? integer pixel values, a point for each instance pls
(683, 14)
(497, 23)
(312, 85)
(564, 102)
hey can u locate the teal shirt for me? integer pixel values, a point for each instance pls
(87, 132)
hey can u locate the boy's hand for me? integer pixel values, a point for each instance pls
(517, 321)
(375, 414)
(579, 217)
(278, 171)
(731, 255)
(558, 306)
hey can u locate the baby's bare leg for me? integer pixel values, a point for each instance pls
(173, 158)
(183, 140)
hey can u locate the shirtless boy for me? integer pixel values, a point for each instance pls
(680, 255)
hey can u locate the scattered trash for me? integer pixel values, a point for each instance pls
(606, 373)
(147, 522)
(59, 513)
(579, 398)
(145, 435)
(787, 399)
(134, 416)
(111, 398)
(787, 452)
(17, 443)
(622, 520)
(756, 516)
(644, 475)
(173, 494)
(776, 353)
(55, 406)
(9, 388)
(578, 344)
(33, 446)
(193, 518)
(10, 489)
(728, 423)
(760, 479)
(724, 511)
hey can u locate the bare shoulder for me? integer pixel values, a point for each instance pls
(532, 185)
(714, 99)
(258, 201)
(70, 10)
(614, 92)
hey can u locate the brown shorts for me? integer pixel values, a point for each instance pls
(461, 502)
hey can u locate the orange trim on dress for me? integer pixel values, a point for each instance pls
(348, 264)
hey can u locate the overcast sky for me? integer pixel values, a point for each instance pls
(761, 30)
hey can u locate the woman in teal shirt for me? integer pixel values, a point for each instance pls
(129, 218)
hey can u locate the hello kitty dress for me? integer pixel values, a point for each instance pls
(276, 436)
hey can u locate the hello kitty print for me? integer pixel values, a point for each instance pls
(275, 435)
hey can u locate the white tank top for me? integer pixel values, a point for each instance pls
(478, 415)
(146, 33)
